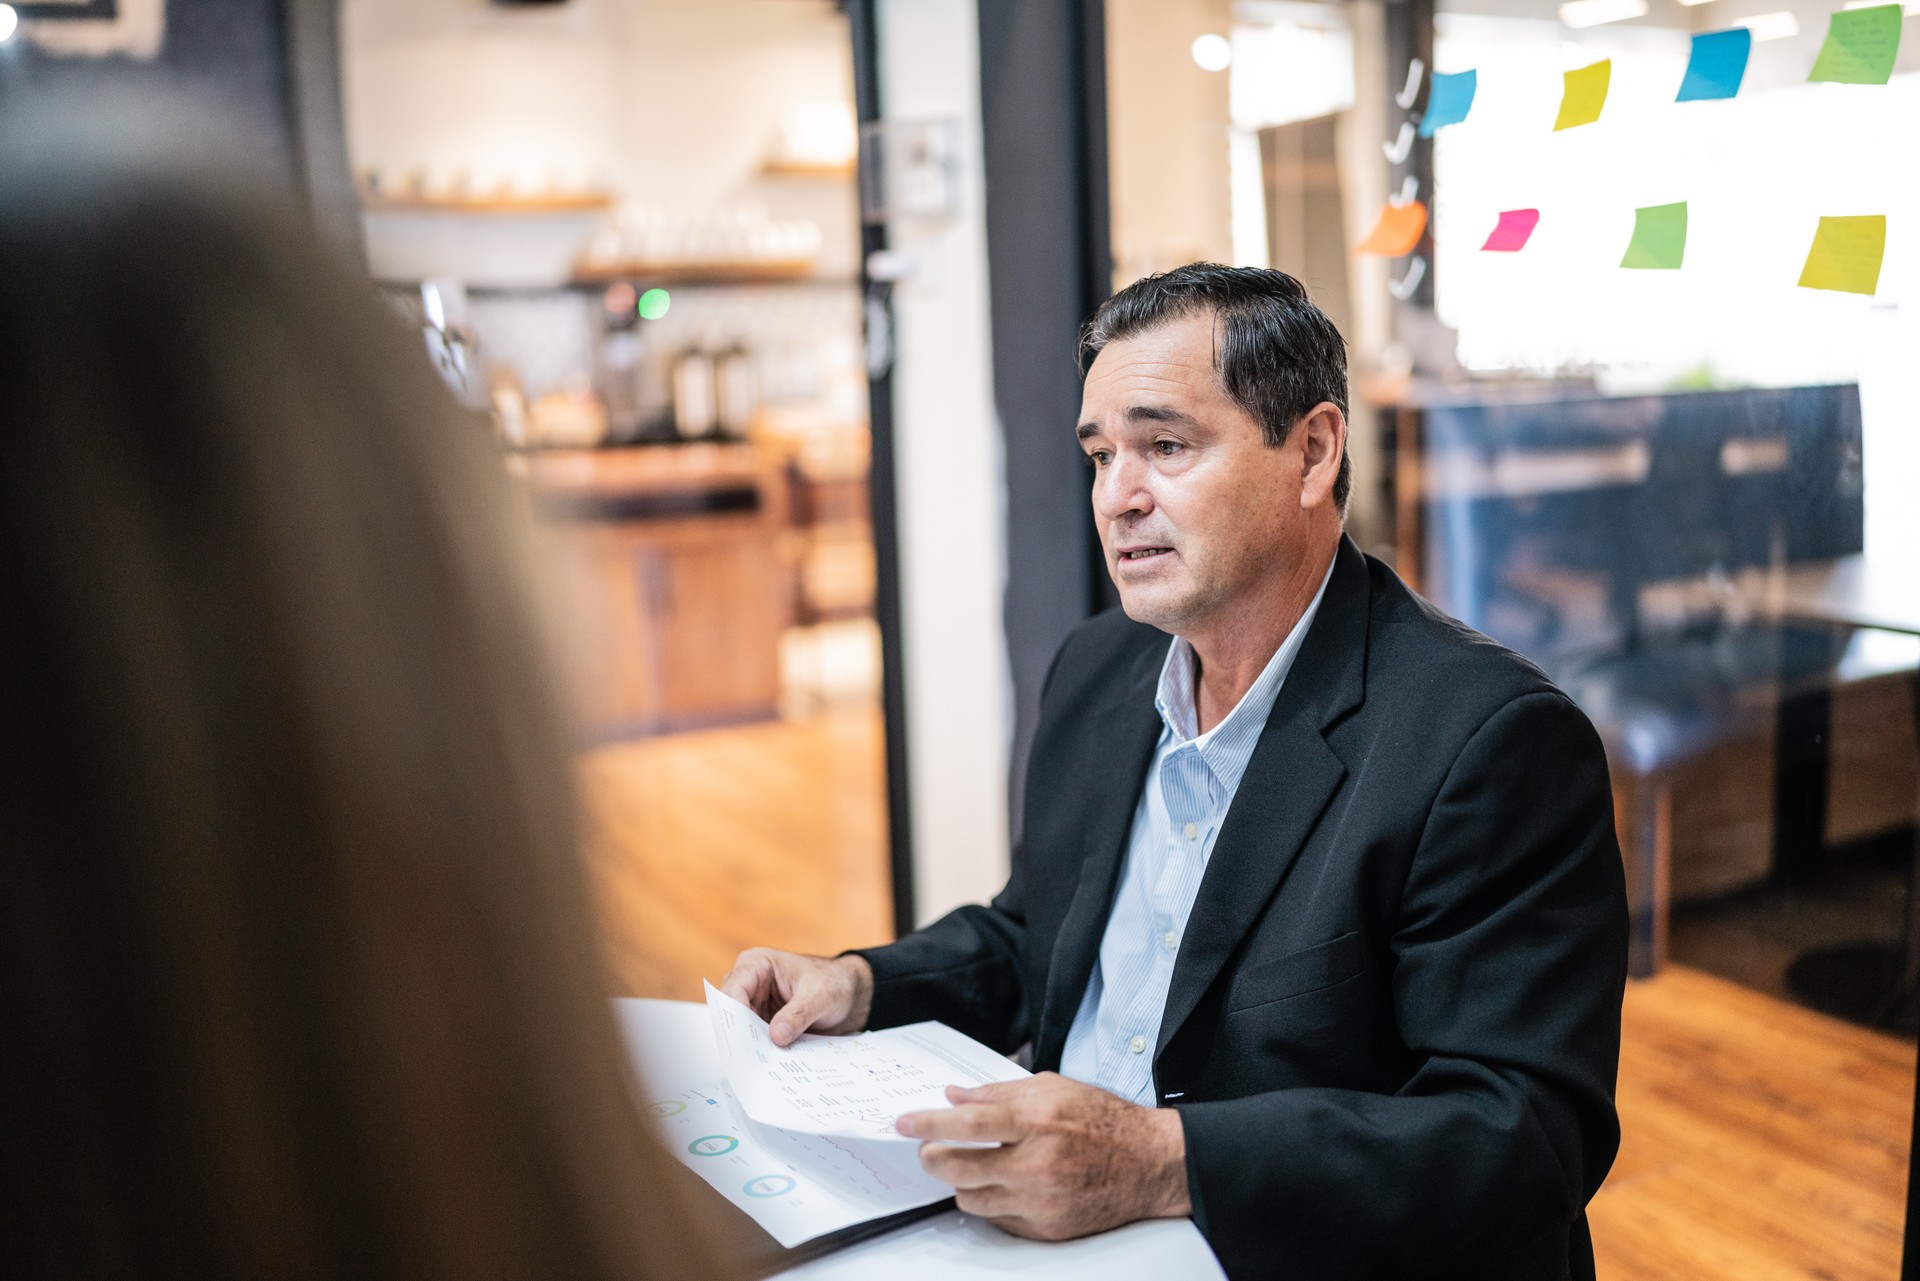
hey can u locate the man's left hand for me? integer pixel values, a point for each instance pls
(1073, 1159)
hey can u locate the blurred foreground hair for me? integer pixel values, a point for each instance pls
(297, 975)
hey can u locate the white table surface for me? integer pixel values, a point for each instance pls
(959, 1247)
(668, 1038)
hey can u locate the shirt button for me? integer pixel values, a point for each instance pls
(1171, 939)
(1193, 830)
(1138, 1045)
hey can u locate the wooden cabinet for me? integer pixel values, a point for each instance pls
(677, 583)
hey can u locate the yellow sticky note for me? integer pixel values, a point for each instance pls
(1846, 255)
(1586, 93)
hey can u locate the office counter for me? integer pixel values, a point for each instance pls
(673, 557)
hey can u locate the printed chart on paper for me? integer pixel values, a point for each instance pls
(846, 1086)
(796, 1186)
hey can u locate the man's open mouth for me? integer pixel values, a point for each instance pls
(1144, 553)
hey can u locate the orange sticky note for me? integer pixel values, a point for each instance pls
(1398, 231)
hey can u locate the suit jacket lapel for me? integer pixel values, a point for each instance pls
(1122, 736)
(1288, 782)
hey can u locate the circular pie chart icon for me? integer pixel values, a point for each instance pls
(770, 1185)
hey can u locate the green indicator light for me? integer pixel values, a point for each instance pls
(654, 304)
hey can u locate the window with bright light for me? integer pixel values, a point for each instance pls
(1757, 172)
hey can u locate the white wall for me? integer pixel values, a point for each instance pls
(950, 482)
(1167, 137)
(670, 103)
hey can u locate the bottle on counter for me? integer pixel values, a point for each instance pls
(737, 391)
(695, 412)
(510, 411)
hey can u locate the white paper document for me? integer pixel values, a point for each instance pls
(800, 1186)
(796, 1186)
(842, 1163)
(846, 1086)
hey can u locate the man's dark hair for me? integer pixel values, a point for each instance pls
(1277, 354)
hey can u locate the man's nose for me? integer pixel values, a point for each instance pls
(1119, 489)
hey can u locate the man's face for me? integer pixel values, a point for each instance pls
(1197, 513)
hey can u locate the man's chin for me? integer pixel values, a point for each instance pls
(1153, 609)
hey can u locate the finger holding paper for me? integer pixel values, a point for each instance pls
(797, 994)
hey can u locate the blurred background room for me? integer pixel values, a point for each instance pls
(771, 308)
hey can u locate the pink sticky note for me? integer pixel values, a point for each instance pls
(1512, 232)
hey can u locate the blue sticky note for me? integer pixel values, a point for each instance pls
(1449, 101)
(1718, 63)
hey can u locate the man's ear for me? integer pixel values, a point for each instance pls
(1323, 443)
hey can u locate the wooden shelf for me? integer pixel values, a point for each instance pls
(839, 171)
(641, 469)
(694, 273)
(557, 203)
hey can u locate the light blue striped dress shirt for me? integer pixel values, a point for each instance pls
(1189, 786)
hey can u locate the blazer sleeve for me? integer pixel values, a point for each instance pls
(1509, 955)
(965, 970)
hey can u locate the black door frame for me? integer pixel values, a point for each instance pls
(878, 312)
(1043, 106)
(1910, 1256)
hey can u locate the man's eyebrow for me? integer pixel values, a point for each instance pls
(1157, 414)
(1143, 414)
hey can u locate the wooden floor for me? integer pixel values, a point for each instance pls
(702, 845)
(1762, 1142)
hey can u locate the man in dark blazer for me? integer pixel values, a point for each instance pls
(1320, 900)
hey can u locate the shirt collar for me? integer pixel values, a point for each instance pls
(1228, 746)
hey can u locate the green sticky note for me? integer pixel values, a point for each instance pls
(1846, 255)
(1586, 93)
(1861, 45)
(1659, 237)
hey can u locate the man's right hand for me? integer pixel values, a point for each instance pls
(798, 994)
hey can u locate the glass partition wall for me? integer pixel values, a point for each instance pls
(629, 233)
(1633, 393)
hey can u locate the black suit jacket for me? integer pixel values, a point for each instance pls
(1394, 1019)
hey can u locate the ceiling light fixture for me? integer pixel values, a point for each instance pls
(1770, 26)
(1212, 52)
(1594, 13)
(9, 22)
